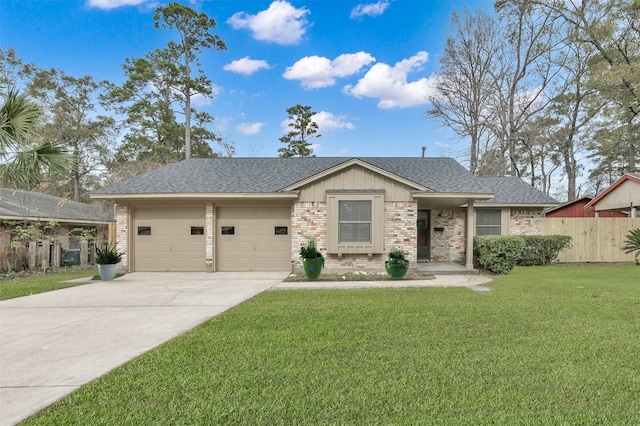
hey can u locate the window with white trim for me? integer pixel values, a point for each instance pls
(488, 222)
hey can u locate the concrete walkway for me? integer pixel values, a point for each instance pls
(52, 343)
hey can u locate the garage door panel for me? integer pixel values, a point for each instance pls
(170, 247)
(254, 245)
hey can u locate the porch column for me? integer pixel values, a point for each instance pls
(470, 227)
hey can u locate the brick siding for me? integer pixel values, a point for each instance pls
(309, 219)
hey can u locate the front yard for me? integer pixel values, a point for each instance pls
(549, 345)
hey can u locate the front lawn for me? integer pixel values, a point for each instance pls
(39, 283)
(548, 346)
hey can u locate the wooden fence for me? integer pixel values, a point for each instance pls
(45, 254)
(594, 239)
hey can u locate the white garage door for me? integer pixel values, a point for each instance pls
(169, 239)
(254, 239)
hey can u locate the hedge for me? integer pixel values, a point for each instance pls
(501, 253)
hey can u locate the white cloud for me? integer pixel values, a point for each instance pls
(315, 71)
(440, 144)
(373, 9)
(327, 121)
(281, 23)
(249, 128)
(112, 4)
(246, 66)
(390, 85)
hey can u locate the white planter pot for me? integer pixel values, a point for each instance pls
(107, 272)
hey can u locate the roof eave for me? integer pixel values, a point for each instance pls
(522, 205)
(290, 195)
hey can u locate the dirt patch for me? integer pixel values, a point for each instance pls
(356, 276)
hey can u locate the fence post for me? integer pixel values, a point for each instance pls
(45, 253)
(33, 249)
(84, 252)
(56, 259)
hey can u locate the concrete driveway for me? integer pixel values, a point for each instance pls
(52, 343)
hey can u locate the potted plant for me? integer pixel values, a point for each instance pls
(312, 260)
(396, 266)
(107, 258)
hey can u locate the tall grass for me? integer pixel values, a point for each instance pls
(548, 346)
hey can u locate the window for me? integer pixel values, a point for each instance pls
(354, 219)
(144, 230)
(197, 230)
(488, 222)
(281, 230)
(228, 230)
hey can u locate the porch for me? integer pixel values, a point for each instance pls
(445, 268)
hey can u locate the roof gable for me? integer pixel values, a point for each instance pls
(632, 178)
(350, 163)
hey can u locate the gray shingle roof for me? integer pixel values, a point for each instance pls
(513, 190)
(264, 175)
(19, 204)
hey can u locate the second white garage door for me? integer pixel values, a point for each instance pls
(254, 239)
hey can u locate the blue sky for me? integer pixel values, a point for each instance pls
(364, 67)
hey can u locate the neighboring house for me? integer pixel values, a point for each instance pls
(622, 196)
(577, 208)
(18, 207)
(242, 214)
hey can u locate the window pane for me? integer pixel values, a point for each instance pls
(355, 211)
(144, 230)
(228, 230)
(197, 230)
(488, 222)
(281, 230)
(355, 233)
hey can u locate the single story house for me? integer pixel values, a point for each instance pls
(18, 207)
(253, 214)
(622, 196)
(577, 208)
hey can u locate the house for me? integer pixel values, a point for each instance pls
(18, 207)
(622, 196)
(577, 208)
(244, 214)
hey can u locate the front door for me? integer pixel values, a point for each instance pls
(424, 236)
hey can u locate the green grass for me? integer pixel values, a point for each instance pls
(24, 286)
(555, 345)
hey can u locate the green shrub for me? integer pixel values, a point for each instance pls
(542, 249)
(632, 244)
(497, 253)
(500, 253)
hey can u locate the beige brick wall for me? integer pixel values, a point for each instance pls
(448, 245)
(526, 222)
(309, 219)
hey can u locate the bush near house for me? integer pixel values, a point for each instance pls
(501, 253)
